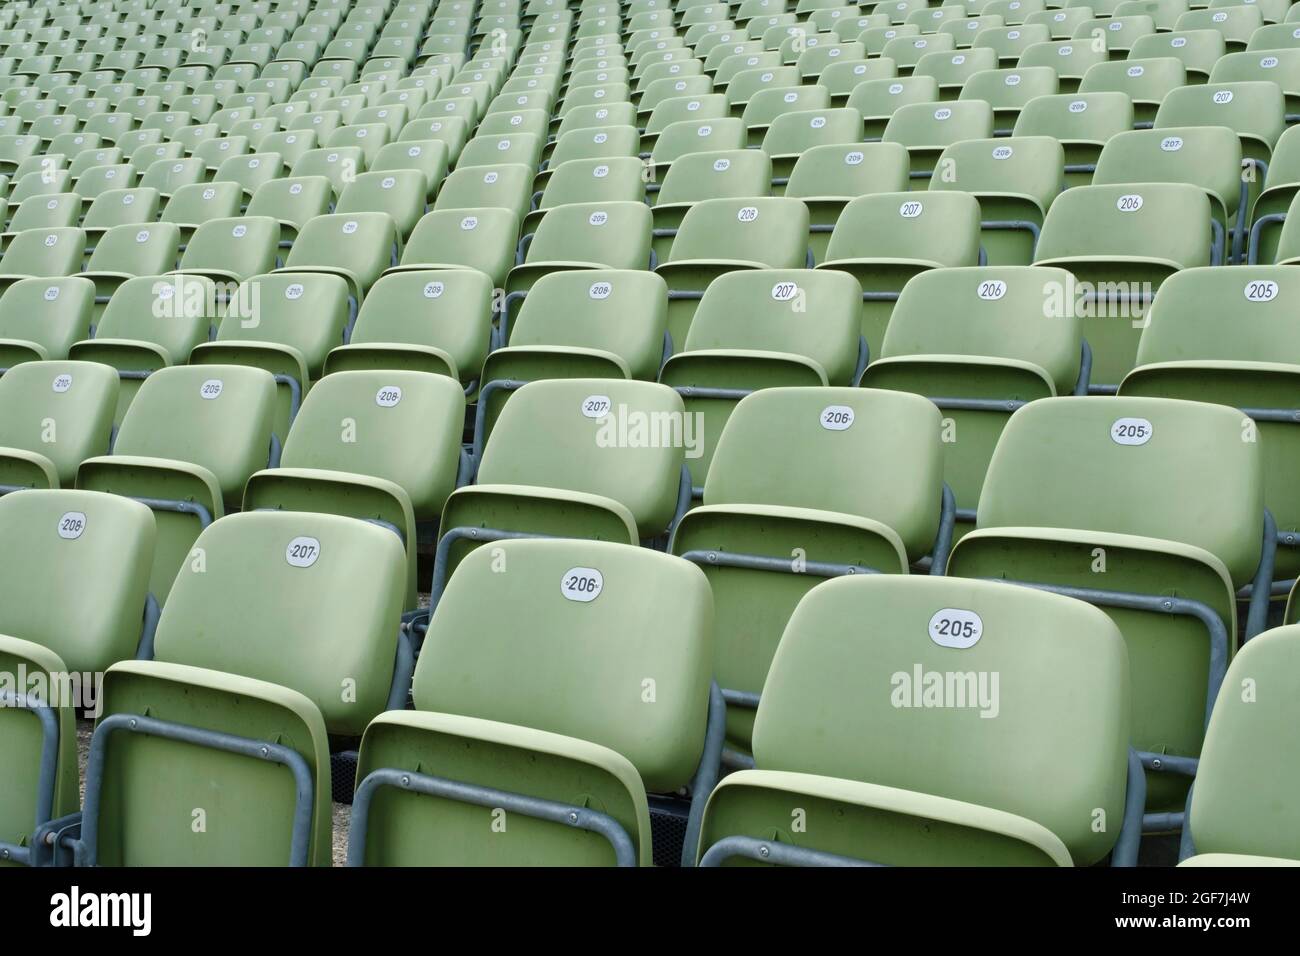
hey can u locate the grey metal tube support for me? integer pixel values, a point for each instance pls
(579, 818)
(403, 670)
(1085, 369)
(1256, 229)
(1125, 851)
(295, 394)
(707, 773)
(304, 805)
(1261, 586)
(148, 628)
(49, 721)
(180, 507)
(943, 539)
(1015, 225)
(480, 417)
(769, 851)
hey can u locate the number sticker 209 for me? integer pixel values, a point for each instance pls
(582, 584)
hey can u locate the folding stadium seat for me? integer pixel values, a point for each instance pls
(878, 100)
(974, 341)
(692, 136)
(1281, 183)
(953, 69)
(44, 211)
(1278, 66)
(1205, 156)
(194, 204)
(1274, 36)
(186, 446)
(746, 83)
(1236, 23)
(1138, 468)
(1009, 91)
(964, 30)
(396, 466)
(286, 323)
(770, 103)
(1121, 242)
(357, 246)
(292, 201)
(842, 77)
(232, 249)
(170, 175)
(826, 178)
(1191, 349)
(1237, 814)
(600, 235)
(130, 249)
(852, 762)
(840, 517)
(262, 680)
(1070, 58)
(706, 174)
(1015, 180)
(886, 238)
(75, 601)
(742, 339)
(721, 235)
(53, 416)
(398, 193)
(906, 51)
(875, 38)
(563, 330)
(1116, 33)
(1254, 110)
(1082, 122)
(1145, 81)
(506, 186)
(606, 744)
(791, 134)
(590, 143)
(46, 252)
(480, 238)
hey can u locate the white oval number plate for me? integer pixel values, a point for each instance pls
(1131, 431)
(582, 584)
(71, 525)
(302, 552)
(836, 418)
(595, 406)
(954, 627)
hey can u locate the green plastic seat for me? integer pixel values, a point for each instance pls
(1015, 180)
(585, 235)
(169, 176)
(878, 100)
(476, 238)
(393, 329)
(495, 150)
(396, 463)
(1189, 351)
(186, 446)
(1236, 23)
(743, 338)
(1274, 36)
(574, 458)
(749, 81)
(906, 51)
(150, 322)
(1199, 49)
(507, 186)
(826, 178)
(356, 246)
(1070, 58)
(711, 106)
(1255, 110)
(965, 29)
(119, 207)
(953, 68)
(607, 179)
(250, 171)
(559, 738)
(128, 250)
(806, 479)
(41, 317)
(978, 333)
(1146, 81)
(875, 779)
(1082, 122)
(28, 808)
(564, 330)
(1238, 814)
(50, 251)
(400, 194)
(76, 586)
(1205, 156)
(1116, 33)
(842, 77)
(1111, 517)
(59, 210)
(770, 103)
(286, 323)
(693, 136)
(717, 236)
(53, 416)
(697, 176)
(1008, 91)
(1269, 212)
(1120, 242)
(265, 680)
(292, 201)
(231, 250)
(886, 238)
(791, 134)
(1276, 66)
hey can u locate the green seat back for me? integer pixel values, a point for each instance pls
(60, 410)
